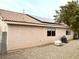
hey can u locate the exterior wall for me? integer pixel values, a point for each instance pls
(70, 37)
(28, 36)
(61, 32)
(3, 37)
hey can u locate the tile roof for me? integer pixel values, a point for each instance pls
(20, 17)
(15, 16)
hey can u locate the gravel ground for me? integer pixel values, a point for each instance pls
(68, 51)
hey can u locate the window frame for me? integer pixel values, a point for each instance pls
(68, 32)
(52, 32)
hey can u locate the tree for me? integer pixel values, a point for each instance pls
(69, 14)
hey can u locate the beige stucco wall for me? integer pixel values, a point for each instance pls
(28, 36)
(60, 32)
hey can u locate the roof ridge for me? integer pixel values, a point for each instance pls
(28, 16)
(12, 11)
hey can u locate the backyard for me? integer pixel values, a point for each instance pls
(50, 51)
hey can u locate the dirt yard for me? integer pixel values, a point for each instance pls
(68, 51)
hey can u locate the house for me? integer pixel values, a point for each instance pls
(19, 30)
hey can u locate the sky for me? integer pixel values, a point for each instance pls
(42, 8)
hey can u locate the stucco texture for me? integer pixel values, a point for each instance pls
(27, 36)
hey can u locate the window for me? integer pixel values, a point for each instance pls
(67, 32)
(48, 33)
(51, 32)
